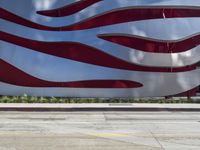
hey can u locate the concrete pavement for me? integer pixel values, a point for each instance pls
(102, 130)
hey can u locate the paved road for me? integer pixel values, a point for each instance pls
(99, 130)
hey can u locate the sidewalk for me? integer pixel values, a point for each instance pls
(97, 130)
(100, 107)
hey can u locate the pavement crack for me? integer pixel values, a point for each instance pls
(157, 140)
(117, 140)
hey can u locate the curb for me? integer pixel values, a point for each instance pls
(100, 107)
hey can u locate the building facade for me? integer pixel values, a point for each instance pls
(100, 48)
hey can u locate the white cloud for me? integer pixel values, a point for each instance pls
(136, 31)
(42, 5)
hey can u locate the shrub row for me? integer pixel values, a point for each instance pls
(29, 99)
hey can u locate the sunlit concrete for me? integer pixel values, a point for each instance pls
(99, 130)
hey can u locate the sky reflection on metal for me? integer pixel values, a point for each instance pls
(56, 69)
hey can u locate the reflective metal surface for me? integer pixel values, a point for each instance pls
(55, 69)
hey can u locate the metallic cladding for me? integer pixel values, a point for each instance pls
(99, 48)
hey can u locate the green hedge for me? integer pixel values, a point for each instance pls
(28, 99)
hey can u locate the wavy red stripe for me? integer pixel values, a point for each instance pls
(153, 45)
(68, 9)
(134, 14)
(12, 75)
(188, 93)
(115, 16)
(6, 15)
(84, 53)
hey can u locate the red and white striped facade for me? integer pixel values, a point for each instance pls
(99, 48)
